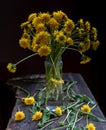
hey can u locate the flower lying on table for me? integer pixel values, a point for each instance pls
(28, 100)
(19, 115)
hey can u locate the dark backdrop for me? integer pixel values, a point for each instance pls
(14, 12)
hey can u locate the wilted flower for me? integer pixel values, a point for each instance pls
(11, 67)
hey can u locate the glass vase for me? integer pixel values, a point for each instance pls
(54, 82)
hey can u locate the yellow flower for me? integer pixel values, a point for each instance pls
(40, 27)
(11, 67)
(37, 115)
(44, 50)
(94, 33)
(85, 59)
(36, 21)
(69, 41)
(19, 115)
(35, 46)
(84, 46)
(42, 38)
(61, 38)
(31, 16)
(91, 126)
(58, 111)
(55, 81)
(86, 108)
(53, 24)
(81, 22)
(45, 17)
(95, 45)
(59, 16)
(28, 100)
(88, 26)
(26, 35)
(24, 24)
(69, 26)
(24, 43)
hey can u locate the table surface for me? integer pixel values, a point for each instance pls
(29, 83)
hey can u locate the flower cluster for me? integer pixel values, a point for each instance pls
(50, 35)
(37, 115)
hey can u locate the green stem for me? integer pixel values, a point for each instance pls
(69, 86)
(26, 58)
(59, 54)
(79, 119)
(94, 106)
(87, 119)
(72, 105)
(53, 64)
(26, 91)
(74, 50)
(50, 120)
(80, 104)
(75, 120)
(67, 115)
(46, 125)
(18, 108)
(59, 128)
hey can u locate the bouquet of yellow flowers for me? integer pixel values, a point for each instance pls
(50, 35)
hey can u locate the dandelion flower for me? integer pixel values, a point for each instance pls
(85, 59)
(44, 50)
(11, 67)
(19, 115)
(91, 126)
(86, 108)
(58, 111)
(37, 116)
(28, 100)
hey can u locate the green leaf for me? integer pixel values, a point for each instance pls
(46, 117)
(91, 101)
(93, 117)
(96, 118)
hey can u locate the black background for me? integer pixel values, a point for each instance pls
(14, 12)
